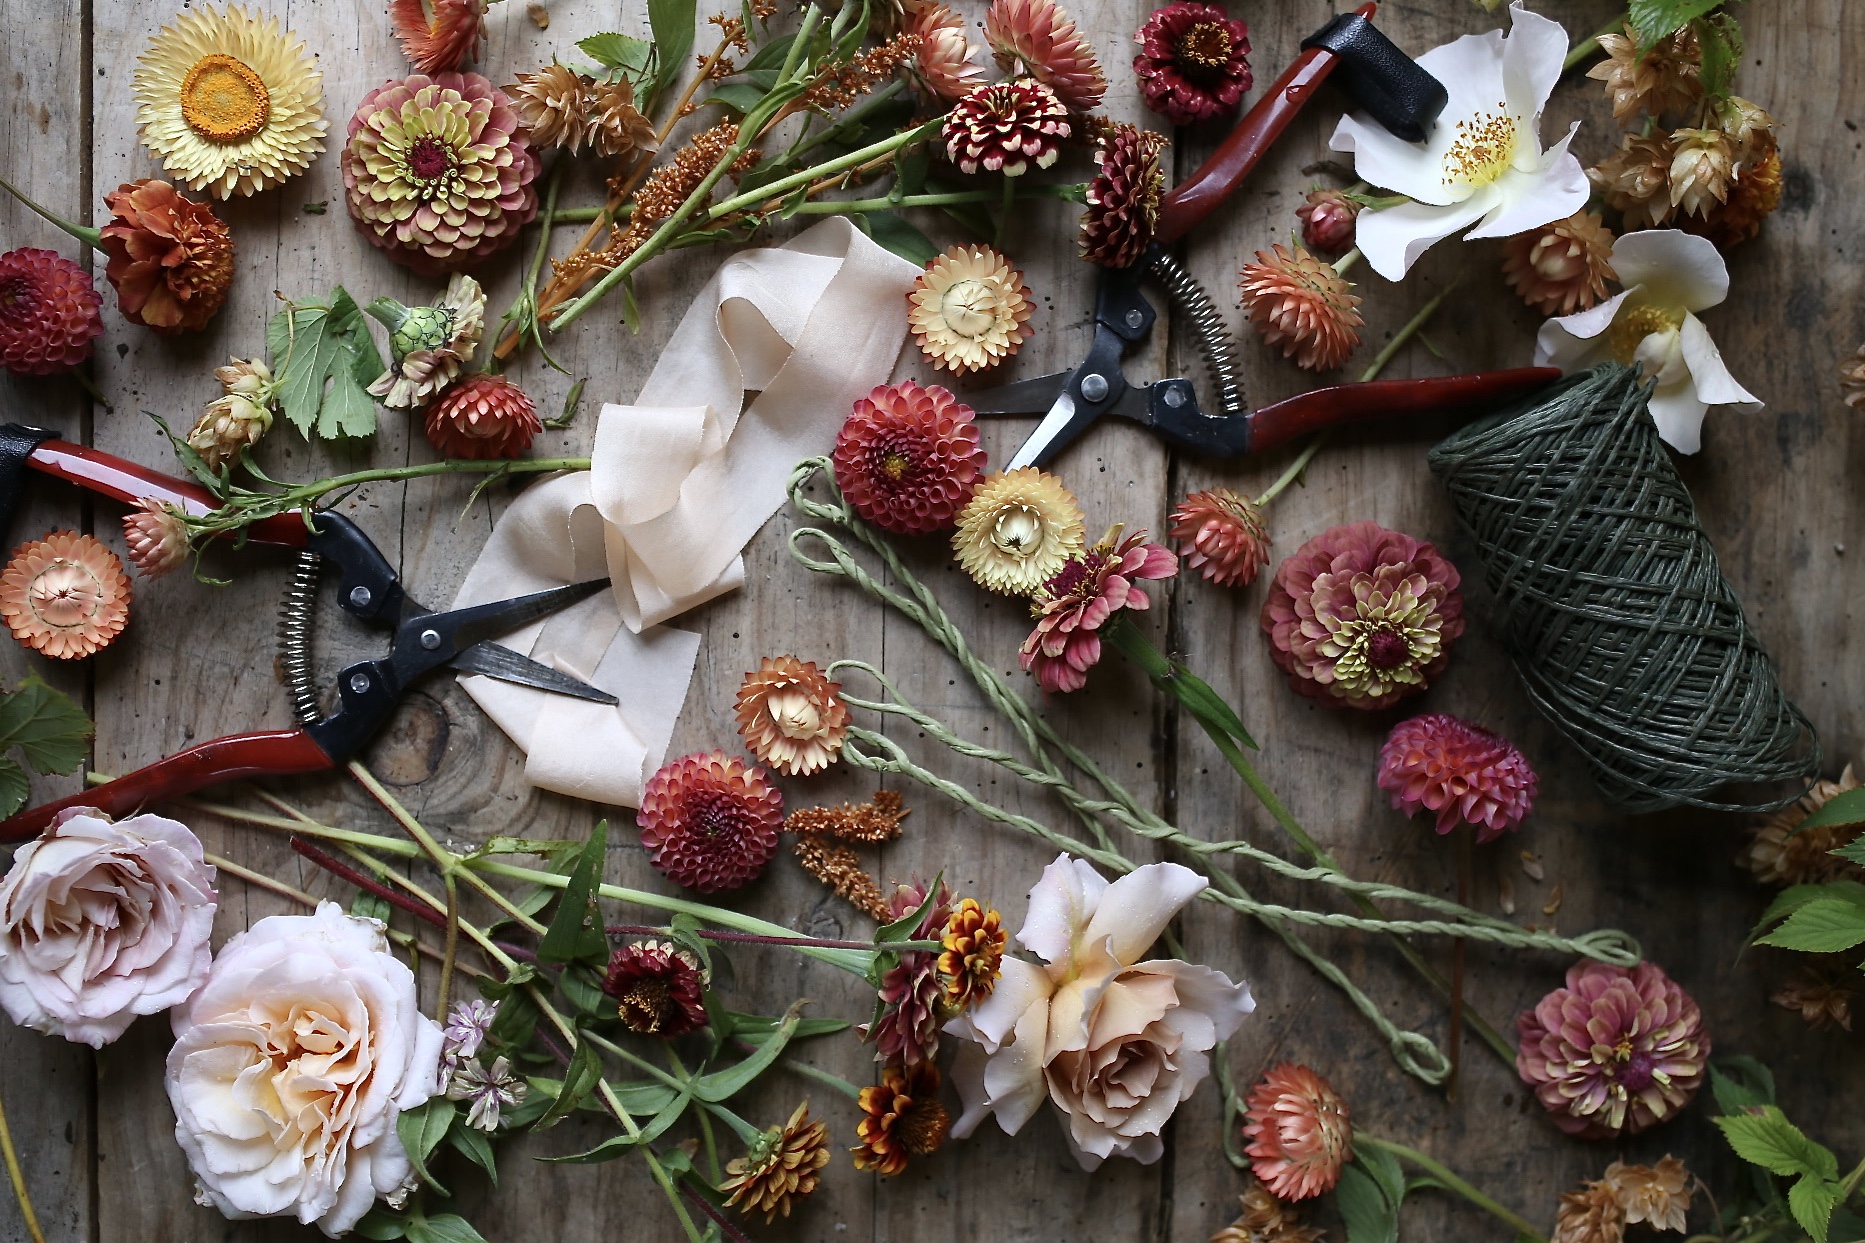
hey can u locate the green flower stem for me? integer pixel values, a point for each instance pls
(583, 215)
(443, 860)
(18, 1178)
(796, 181)
(1069, 191)
(1442, 1173)
(1590, 46)
(821, 1076)
(94, 238)
(1296, 470)
(1345, 263)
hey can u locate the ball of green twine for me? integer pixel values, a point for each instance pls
(1621, 624)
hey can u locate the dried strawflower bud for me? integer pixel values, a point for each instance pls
(969, 310)
(450, 39)
(1004, 127)
(1590, 1215)
(1463, 772)
(1017, 531)
(791, 716)
(710, 821)
(428, 345)
(1123, 198)
(945, 64)
(784, 1165)
(1221, 535)
(902, 1117)
(49, 312)
(1193, 63)
(1265, 1219)
(1299, 1130)
(482, 416)
(170, 258)
(658, 988)
(157, 537)
(1702, 169)
(1665, 79)
(1656, 1195)
(1036, 39)
(65, 596)
(1752, 199)
(1302, 304)
(908, 458)
(1560, 268)
(1329, 219)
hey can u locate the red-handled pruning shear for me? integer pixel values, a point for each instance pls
(1402, 97)
(368, 590)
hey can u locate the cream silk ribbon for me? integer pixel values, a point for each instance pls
(679, 483)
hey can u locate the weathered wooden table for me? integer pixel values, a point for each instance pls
(1775, 490)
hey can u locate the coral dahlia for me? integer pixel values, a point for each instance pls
(902, 1117)
(170, 258)
(1615, 1051)
(969, 310)
(1088, 593)
(710, 821)
(1018, 530)
(1299, 1130)
(1193, 63)
(1361, 617)
(49, 312)
(438, 172)
(908, 458)
(1004, 127)
(65, 596)
(157, 537)
(1123, 198)
(438, 36)
(944, 66)
(1465, 773)
(658, 988)
(1221, 535)
(1036, 39)
(1562, 267)
(1302, 304)
(482, 416)
(791, 716)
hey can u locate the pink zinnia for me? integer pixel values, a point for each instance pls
(1300, 1132)
(911, 992)
(1615, 1051)
(1461, 771)
(908, 459)
(710, 821)
(1087, 593)
(1361, 617)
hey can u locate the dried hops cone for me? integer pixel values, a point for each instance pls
(710, 821)
(1562, 267)
(49, 312)
(1703, 167)
(170, 258)
(1635, 180)
(438, 172)
(482, 416)
(1222, 535)
(1302, 304)
(1036, 38)
(562, 108)
(969, 310)
(1004, 127)
(65, 596)
(236, 419)
(1193, 63)
(784, 1165)
(1752, 199)
(945, 64)
(1781, 853)
(1667, 78)
(908, 458)
(450, 37)
(791, 716)
(1123, 198)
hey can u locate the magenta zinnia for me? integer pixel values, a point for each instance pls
(1193, 63)
(1361, 617)
(658, 988)
(1004, 127)
(1463, 772)
(908, 459)
(1615, 1051)
(911, 992)
(710, 821)
(1221, 535)
(1300, 1132)
(1084, 596)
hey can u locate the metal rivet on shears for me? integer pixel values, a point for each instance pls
(360, 597)
(1135, 318)
(430, 639)
(1094, 386)
(359, 682)
(1175, 396)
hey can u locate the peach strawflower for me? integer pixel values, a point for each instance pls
(945, 66)
(482, 416)
(1221, 534)
(1037, 39)
(969, 310)
(65, 596)
(157, 537)
(791, 716)
(1302, 304)
(1562, 267)
(439, 35)
(1300, 1132)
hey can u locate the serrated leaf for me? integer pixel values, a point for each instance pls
(443, 1228)
(1719, 39)
(1796, 896)
(14, 787)
(1769, 1140)
(618, 51)
(579, 1080)
(421, 1129)
(474, 1144)
(323, 356)
(50, 730)
(1812, 1201)
(1741, 1083)
(671, 22)
(1385, 1170)
(1841, 810)
(575, 931)
(1369, 1216)
(1652, 20)
(1823, 926)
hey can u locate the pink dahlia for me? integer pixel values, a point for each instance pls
(1299, 1130)
(1222, 536)
(1461, 771)
(908, 459)
(911, 992)
(1615, 1051)
(1084, 595)
(658, 988)
(1361, 617)
(49, 312)
(1193, 63)
(710, 821)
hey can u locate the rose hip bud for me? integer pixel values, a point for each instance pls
(1327, 221)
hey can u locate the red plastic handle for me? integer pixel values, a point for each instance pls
(129, 482)
(273, 753)
(1323, 408)
(1199, 195)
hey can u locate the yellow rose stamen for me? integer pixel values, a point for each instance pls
(1634, 323)
(223, 100)
(1483, 149)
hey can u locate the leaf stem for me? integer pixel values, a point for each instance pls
(1590, 45)
(84, 233)
(836, 207)
(828, 168)
(1443, 1174)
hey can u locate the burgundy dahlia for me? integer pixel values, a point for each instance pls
(1361, 617)
(1194, 61)
(1004, 127)
(658, 988)
(1085, 595)
(1328, 219)
(1615, 1051)
(908, 458)
(49, 312)
(1123, 198)
(911, 992)
(710, 821)
(482, 416)
(1221, 534)
(1465, 773)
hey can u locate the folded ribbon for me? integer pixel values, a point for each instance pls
(679, 483)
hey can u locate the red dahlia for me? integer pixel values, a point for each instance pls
(1123, 198)
(1004, 127)
(49, 312)
(908, 458)
(483, 416)
(710, 821)
(1193, 62)
(1461, 771)
(658, 988)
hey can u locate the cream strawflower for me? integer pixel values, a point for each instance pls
(291, 1065)
(1668, 277)
(1115, 1044)
(101, 922)
(229, 102)
(1019, 528)
(1483, 163)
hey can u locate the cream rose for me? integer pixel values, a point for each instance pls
(290, 1067)
(1116, 1044)
(101, 922)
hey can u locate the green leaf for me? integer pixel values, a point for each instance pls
(754, 1028)
(1719, 36)
(901, 236)
(738, 97)
(380, 1223)
(582, 988)
(1812, 1201)
(902, 929)
(622, 1145)
(1823, 926)
(771, 55)
(619, 51)
(421, 1129)
(1769, 1140)
(579, 1080)
(575, 932)
(51, 730)
(476, 1146)
(671, 22)
(1370, 1217)
(1654, 19)
(366, 905)
(444, 1228)
(722, 1085)
(1840, 811)
(13, 787)
(1741, 1083)
(1386, 1171)
(323, 357)
(1853, 850)
(1796, 896)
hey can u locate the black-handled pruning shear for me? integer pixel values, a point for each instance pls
(1403, 98)
(368, 589)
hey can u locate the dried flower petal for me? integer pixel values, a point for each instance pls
(1036, 39)
(1665, 79)
(157, 537)
(1657, 1195)
(65, 596)
(908, 457)
(170, 258)
(482, 416)
(1018, 530)
(658, 988)
(1465, 773)
(1819, 999)
(784, 1165)
(49, 312)
(1299, 1130)
(710, 821)
(1193, 63)
(902, 1117)
(791, 716)
(1562, 267)
(969, 310)
(1589, 1215)
(1004, 127)
(1221, 535)
(1302, 304)
(448, 38)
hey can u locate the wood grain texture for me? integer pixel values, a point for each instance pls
(1773, 489)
